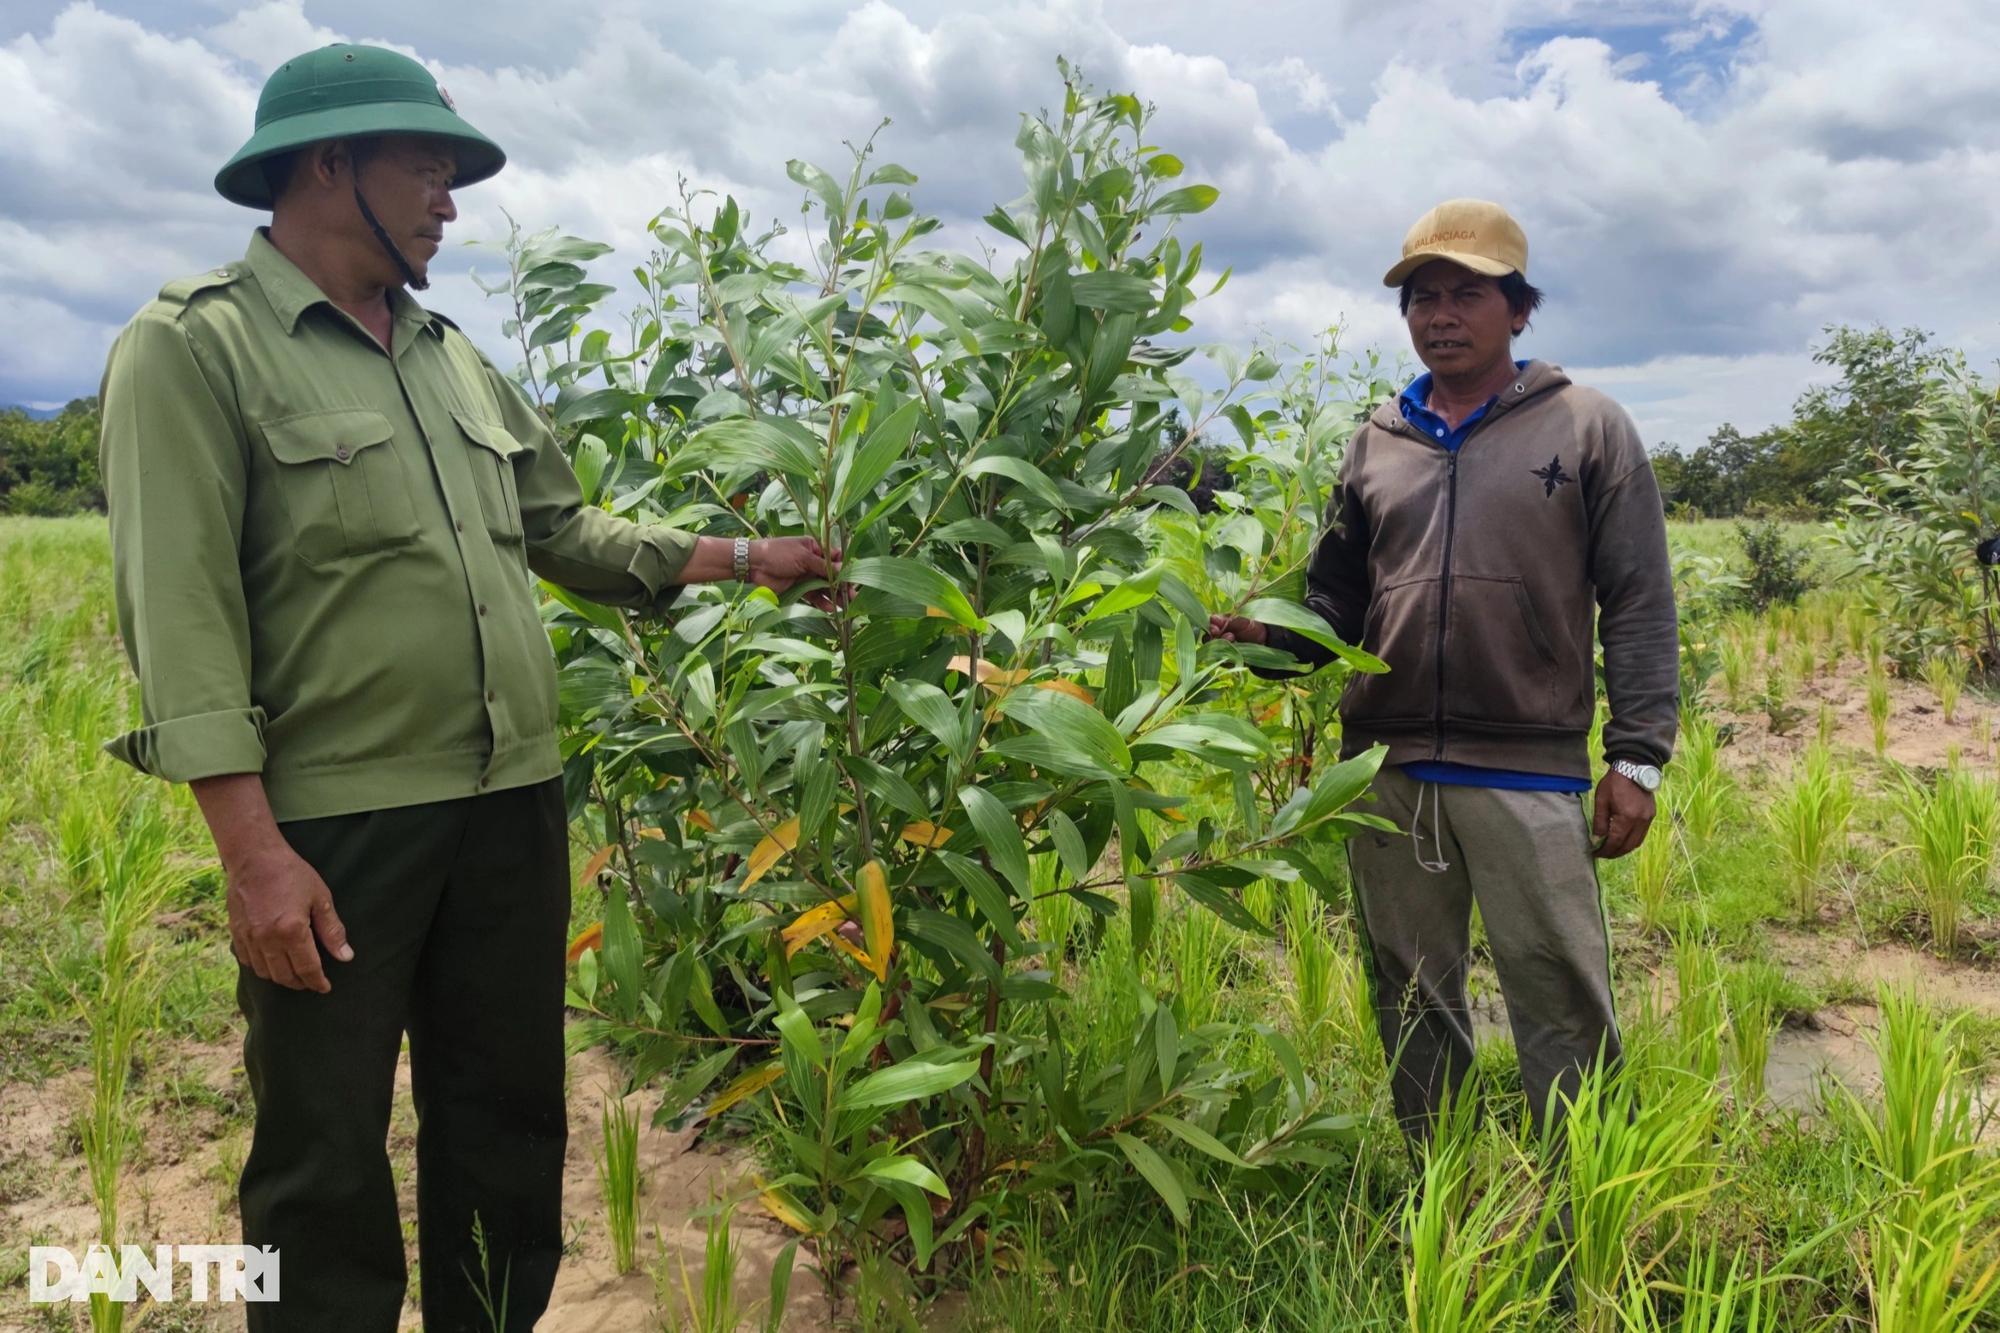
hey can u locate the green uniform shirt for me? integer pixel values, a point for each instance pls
(322, 551)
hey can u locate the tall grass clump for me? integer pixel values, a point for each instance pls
(1810, 818)
(1698, 784)
(127, 874)
(1735, 663)
(1653, 875)
(1878, 709)
(1633, 1163)
(1933, 1261)
(1951, 826)
(1712, 1298)
(1755, 996)
(618, 1179)
(1945, 674)
(1471, 1235)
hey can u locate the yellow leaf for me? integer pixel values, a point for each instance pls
(766, 853)
(652, 833)
(699, 819)
(816, 922)
(747, 1084)
(787, 1210)
(1069, 687)
(991, 675)
(878, 923)
(595, 864)
(590, 937)
(941, 615)
(923, 833)
(1174, 815)
(847, 946)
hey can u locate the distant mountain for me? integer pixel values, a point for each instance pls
(36, 413)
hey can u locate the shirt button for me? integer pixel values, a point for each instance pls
(1440, 432)
(491, 696)
(457, 526)
(485, 783)
(341, 453)
(482, 608)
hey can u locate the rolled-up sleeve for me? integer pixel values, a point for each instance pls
(580, 547)
(174, 466)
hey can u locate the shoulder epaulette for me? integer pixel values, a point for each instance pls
(182, 290)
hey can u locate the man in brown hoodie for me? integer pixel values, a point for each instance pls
(1482, 523)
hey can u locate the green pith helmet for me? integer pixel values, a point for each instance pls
(341, 92)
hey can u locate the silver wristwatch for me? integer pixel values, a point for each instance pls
(739, 564)
(1647, 776)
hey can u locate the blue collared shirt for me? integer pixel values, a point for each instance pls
(1414, 403)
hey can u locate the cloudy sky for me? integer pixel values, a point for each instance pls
(1705, 183)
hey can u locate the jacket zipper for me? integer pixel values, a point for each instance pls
(1444, 596)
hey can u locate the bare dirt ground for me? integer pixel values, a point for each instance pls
(182, 1189)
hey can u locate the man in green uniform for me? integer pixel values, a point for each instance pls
(326, 510)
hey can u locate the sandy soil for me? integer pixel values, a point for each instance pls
(183, 1188)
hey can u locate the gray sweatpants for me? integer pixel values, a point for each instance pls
(1526, 857)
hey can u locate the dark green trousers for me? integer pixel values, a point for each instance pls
(457, 913)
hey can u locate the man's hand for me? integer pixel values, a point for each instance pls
(1236, 629)
(779, 562)
(277, 903)
(1621, 814)
(775, 563)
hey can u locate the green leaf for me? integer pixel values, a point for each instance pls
(932, 709)
(1113, 292)
(601, 616)
(887, 784)
(914, 581)
(1022, 471)
(1071, 722)
(986, 895)
(1198, 1138)
(1140, 588)
(1304, 620)
(890, 174)
(622, 950)
(821, 184)
(761, 445)
(886, 443)
(1000, 835)
(1069, 845)
(1221, 902)
(1211, 736)
(1157, 1173)
(910, 1081)
(1343, 784)
(681, 1093)
(909, 1171)
(1187, 199)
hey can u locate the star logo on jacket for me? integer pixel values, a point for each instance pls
(1552, 476)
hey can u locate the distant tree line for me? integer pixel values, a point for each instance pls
(1866, 419)
(49, 467)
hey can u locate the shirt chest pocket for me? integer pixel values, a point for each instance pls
(344, 485)
(492, 457)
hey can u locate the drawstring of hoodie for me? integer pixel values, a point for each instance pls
(1440, 865)
(368, 216)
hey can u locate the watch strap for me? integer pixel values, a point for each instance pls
(739, 564)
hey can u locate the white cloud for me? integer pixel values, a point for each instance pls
(1704, 183)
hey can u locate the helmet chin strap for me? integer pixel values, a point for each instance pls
(368, 216)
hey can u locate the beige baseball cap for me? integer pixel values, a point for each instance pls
(1471, 232)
